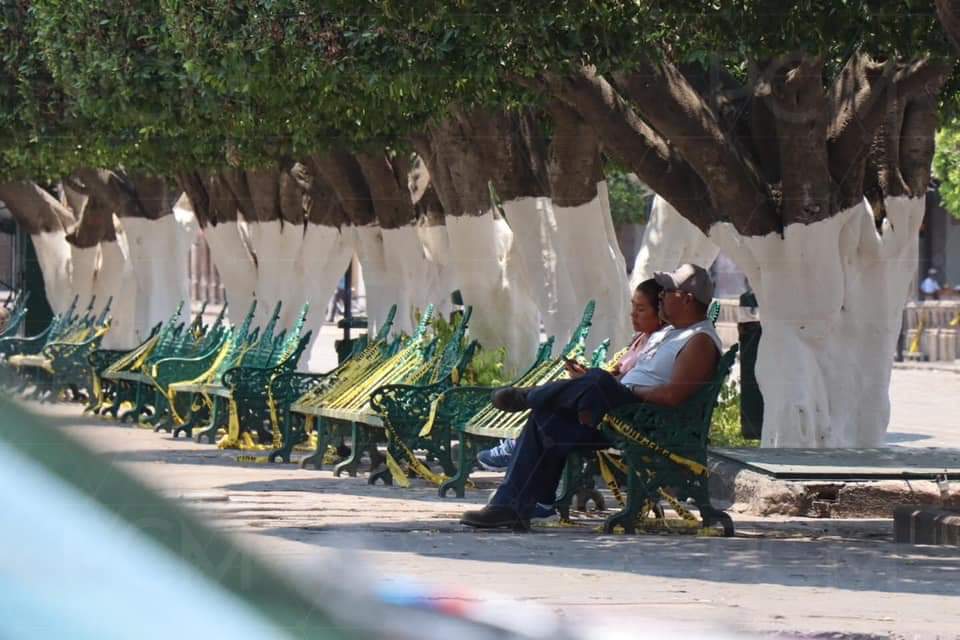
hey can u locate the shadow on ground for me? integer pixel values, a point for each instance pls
(852, 565)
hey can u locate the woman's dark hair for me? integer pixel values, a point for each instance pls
(651, 291)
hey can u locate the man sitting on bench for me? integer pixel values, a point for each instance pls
(565, 414)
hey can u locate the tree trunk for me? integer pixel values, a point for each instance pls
(831, 296)
(159, 252)
(437, 285)
(215, 208)
(484, 263)
(481, 254)
(578, 250)
(670, 240)
(116, 278)
(46, 220)
(323, 258)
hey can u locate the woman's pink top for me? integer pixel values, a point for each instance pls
(641, 346)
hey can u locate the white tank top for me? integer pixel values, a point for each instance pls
(657, 370)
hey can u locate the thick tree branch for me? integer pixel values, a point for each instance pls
(902, 149)
(35, 209)
(948, 11)
(856, 106)
(573, 160)
(114, 190)
(793, 90)
(192, 183)
(391, 198)
(437, 174)
(341, 171)
(498, 140)
(264, 185)
(292, 199)
(460, 164)
(152, 193)
(95, 225)
(665, 99)
(424, 194)
(625, 135)
(75, 185)
(236, 181)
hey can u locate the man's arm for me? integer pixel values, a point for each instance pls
(693, 368)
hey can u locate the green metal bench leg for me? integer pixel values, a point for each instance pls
(293, 432)
(710, 516)
(466, 461)
(137, 405)
(352, 462)
(376, 460)
(627, 517)
(323, 439)
(210, 433)
(587, 490)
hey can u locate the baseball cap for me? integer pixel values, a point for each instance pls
(688, 278)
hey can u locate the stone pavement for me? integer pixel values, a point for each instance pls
(798, 575)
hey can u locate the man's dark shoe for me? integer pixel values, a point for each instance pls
(494, 517)
(510, 399)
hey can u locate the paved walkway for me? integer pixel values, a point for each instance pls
(802, 576)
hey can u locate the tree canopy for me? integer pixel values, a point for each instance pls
(690, 96)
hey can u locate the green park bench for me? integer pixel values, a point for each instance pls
(127, 380)
(213, 398)
(290, 429)
(17, 314)
(420, 360)
(663, 456)
(11, 346)
(248, 386)
(102, 360)
(413, 419)
(467, 412)
(179, 377)
(110, 389)
(62, 364)
(411, 422)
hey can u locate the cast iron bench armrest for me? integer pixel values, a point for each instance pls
(178, 369)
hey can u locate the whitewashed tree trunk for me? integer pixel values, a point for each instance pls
(484, 265)
(53, 254)
(322, 260)
(381, 287)
(593, 261)
(438, 285)
(408, 267)
(235, 266)
(536, 237)
(277, 246)
(83, 272)
(116, 278)
(670, 240)
(159, 252)
(831, 295)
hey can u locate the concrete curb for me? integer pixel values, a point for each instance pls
(928, 366)
(741, 490)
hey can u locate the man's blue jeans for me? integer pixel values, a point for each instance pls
(552, 432)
